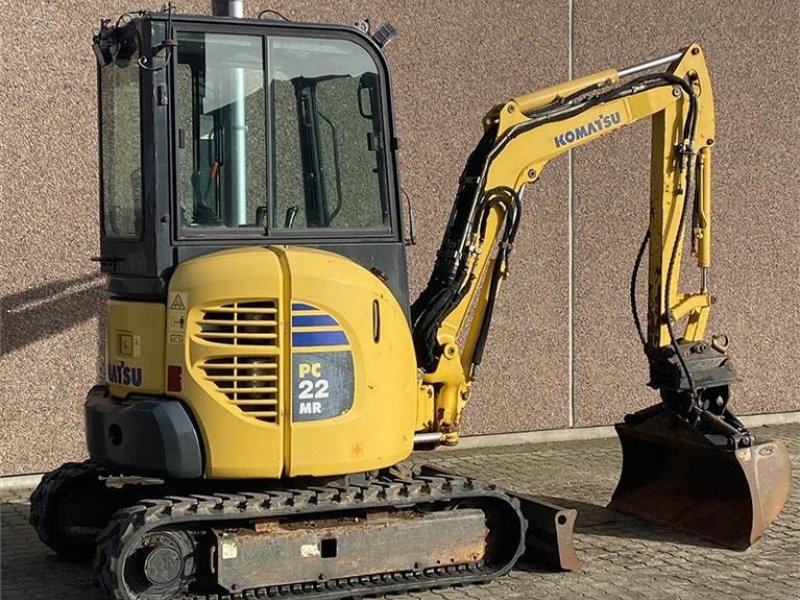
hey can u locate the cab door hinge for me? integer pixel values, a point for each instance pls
(108, 261)
(162, 96)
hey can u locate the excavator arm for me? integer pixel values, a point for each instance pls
(688, 462)
(521, 137)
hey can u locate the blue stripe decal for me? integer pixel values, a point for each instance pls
(313, 320)
(319, 338)
(301, 306)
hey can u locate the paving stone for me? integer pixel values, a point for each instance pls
(624, 558)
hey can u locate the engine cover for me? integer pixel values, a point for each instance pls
(293, 362)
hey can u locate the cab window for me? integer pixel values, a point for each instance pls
(120, 147)
(221, 131)
(287, 146)
(327, 136)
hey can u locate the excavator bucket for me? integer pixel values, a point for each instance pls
(674, 476)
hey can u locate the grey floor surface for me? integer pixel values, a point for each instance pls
(623, 557)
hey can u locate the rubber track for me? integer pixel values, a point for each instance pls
(129, 525)
(49, 487)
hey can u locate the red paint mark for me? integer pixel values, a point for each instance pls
(174, 378)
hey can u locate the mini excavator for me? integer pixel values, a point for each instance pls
(267, 376)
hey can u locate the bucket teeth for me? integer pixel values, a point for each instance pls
(672, 475)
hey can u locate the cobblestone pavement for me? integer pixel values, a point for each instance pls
(623, 558)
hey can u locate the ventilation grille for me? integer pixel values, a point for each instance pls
(249, 382)
(241, 324)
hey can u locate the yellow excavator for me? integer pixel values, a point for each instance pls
(267, 376)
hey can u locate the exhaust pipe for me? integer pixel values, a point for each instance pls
(228, 8)
(234, 213)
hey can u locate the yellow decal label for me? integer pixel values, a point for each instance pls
(229, 550)
(177, 303)
(129, 345)
(176, 317)
(308, 550)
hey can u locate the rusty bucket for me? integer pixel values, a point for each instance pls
(674, 476)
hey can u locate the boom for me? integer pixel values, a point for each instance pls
(521, 137)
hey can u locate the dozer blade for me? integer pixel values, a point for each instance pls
(549, 538)
(674, 476)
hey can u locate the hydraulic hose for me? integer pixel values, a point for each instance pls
(687, 150)
(446, 286)
(510, 200)
(634, 277)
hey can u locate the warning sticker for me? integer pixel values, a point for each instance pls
(176, 317)
(177, 303)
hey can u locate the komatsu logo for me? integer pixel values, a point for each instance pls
(124, 375)
(599, 124)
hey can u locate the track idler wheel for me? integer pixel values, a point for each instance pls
(160, 566)
(674, 476)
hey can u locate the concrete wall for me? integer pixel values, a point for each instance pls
(563, 351)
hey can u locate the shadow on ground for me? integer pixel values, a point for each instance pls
(596, 519)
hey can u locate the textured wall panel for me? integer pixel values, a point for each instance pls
(752, 54)
(50, 294)
(451, 63)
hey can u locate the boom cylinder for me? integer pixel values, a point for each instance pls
(650, 64)
(704, 208)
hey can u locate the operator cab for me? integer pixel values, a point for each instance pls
(219, 132)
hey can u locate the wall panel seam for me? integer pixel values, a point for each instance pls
(570, 239)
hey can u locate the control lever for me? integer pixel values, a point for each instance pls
(291, 213)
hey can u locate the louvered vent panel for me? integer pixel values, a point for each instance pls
(248, 382)
(241, 323)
